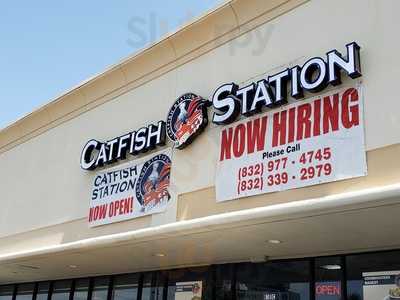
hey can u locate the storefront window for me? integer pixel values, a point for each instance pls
(6, 292)
(125, 287)
(61, 290)
(273, 281)
(191, 284)
(81, 289)
(25, 291)
(328, 278)
(373, 276)
(43, 291)
(224, 278)
(370, 276)
(153, 286)
(100, 288)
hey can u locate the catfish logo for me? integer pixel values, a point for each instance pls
(153, 182)
(186, 119)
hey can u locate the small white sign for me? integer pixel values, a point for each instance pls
(381, 285)
(190, 290)
(310, 142)
(131, 190)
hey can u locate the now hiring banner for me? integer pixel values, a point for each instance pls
(309, 142)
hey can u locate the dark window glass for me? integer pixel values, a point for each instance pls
(384, 267)
(196, 281)
(328, 278)
(273, 281)
(81, 289)
(25, 291)
(223, 281)
(61, 290)
(125, 287)
(100, 288)
(153, 286)
(6, 292)
(43, 291)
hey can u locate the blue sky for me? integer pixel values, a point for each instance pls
(47, 46)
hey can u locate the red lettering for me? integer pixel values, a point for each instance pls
(331, 113)
(116, 207)
(292, 118)
(111, 210)
(318, 290)
(131, 204)
(226, 143)
(121, 207)
(239, 140)
(279, 131)
(303, 121)
(350, 95)
(97, 213)
(336, 290)
(102, 211)
(317, 118)
(126, 206)
(328, 289)
(256, 134)
(91, 214)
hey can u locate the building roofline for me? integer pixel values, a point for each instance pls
(116, 65)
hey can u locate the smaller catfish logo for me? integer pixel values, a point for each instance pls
(186, 119)
(153, 183)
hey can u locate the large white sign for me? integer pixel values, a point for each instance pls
(381, 285)
(131, 190)
(310, 142)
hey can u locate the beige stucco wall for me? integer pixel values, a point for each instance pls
(383, 169)
(45, 194)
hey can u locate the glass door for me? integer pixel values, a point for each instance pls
(289, 280)
(329, 278)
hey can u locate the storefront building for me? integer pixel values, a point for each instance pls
(252, 154)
